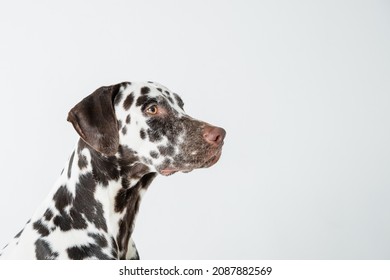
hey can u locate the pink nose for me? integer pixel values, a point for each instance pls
(214, 135)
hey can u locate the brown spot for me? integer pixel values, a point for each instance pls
(41, 228)
(87, 251)
(129, 200)
(179, 101)
(100, 240)
(62, 198)
(43, 250)
(166, 150)
(48, 215)
(142, 133)
(93, 210)
(141, 100)
(128, 101)
(145, 90)
(154, 154)
(82, 163)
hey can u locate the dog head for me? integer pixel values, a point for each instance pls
(149, 120)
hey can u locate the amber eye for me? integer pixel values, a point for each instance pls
(152, 110)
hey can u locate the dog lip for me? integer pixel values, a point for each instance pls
(214, 159)
(171, 171)
(168, 171)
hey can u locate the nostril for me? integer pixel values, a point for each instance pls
(214, 135)
(211, 137)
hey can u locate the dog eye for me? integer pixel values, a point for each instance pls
(152, 110)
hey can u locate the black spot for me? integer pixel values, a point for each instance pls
(128, 119)
(41, 228)
(145, 90)
(128, 101)
(142, 134)
(62, 171)
(170, 99)
(119, 124)
(70, 165)
(87, 251)
(43, 250)
(100, 240)
(124, 130)
(150, 82)
(48, 215)
(159, 89)
(62, 198)
(154, 154)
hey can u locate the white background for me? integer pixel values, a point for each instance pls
(302, 88)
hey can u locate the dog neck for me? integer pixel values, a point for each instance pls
(100, 194)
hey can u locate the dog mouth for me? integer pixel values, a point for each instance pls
(168, 171)
(208, 163)
(212, 160)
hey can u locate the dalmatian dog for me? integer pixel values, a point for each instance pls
(129, 133)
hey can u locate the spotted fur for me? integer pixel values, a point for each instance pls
(129, 133)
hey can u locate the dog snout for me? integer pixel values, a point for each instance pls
(214, 135)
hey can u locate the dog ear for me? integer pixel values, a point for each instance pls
(94, 120)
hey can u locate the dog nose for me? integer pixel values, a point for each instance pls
(214, 135)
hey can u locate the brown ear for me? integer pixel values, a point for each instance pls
(95, 121)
